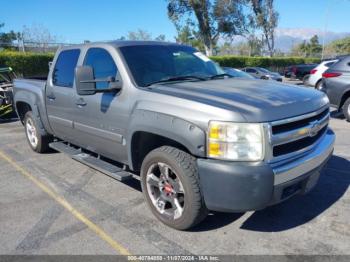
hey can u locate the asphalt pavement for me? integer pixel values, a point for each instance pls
(51, 204)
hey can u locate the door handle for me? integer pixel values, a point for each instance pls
(80, 102)
(51, 97)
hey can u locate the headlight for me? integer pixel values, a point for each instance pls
(235, 141)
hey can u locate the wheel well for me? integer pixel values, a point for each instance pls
(319, 81)
(344, 98)
(22, 109)
(144, 142)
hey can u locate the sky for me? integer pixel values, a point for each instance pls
(74, 21)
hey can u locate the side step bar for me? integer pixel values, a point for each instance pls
(92, 161)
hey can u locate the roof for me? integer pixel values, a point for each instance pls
(122, 43)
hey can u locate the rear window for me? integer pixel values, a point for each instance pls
(329, 64)
(63, 73)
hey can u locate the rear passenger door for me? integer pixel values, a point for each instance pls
(60, 94)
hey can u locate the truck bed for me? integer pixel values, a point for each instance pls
(28, 84)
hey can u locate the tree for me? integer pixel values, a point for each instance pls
(340, 46)
(255, 45)
(142, 35)
(160, 38)
(252, 46)
(265, 18)
(299, 49)
(187, 36)
(6, 39)
(308, 49)
(38, 36)
(139, 35)
(314, 46)
(211, 18)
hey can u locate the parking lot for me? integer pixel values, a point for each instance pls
(50, 204)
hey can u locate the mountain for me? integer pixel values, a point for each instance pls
(286, 38)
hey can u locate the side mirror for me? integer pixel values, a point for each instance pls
(115, 85)
(86, 84)
(84, 80)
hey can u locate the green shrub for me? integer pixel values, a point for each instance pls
(34, 64)
(276, 63)
(26, 64)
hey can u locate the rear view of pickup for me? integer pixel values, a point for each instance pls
(199, 139)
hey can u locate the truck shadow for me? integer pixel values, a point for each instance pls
(8, 120)
(334, 182)
(336, 114)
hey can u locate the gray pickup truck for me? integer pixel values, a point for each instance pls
(198, 139)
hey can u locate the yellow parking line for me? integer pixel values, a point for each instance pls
(99, 231)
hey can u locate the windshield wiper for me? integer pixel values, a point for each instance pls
(220, 75)
(177, 78)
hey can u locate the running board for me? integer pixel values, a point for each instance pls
(92, 161)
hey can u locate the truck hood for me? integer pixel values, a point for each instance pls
(255, 100)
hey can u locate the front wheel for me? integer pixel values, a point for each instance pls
(170, 184)
(346, 109)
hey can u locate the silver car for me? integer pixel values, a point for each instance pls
(263, 73)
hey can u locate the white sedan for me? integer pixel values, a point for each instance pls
(315, 78)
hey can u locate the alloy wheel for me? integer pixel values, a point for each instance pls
(31, 133)
(165, 190)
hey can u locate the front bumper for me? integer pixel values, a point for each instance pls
(243, 186)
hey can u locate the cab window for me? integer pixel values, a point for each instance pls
(63, 73)
(103, 65)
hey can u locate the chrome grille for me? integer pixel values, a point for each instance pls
(298, 134)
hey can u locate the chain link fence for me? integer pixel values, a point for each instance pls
(35, 47)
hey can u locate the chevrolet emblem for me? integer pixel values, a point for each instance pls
(314, 128)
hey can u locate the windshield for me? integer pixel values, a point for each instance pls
(237, 73)
(264, 70)
(152, 63)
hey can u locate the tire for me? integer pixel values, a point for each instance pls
(34, 132)
(318, 85)
(182, 169)
(346, 109)
(305, 79)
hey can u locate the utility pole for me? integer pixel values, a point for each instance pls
(328, 8)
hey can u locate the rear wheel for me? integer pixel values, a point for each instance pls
(305, 79)
(318, 85)
(38, 142)
(170, 184)
(346, 109)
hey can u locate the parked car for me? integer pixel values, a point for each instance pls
(238, 73)
(336, 84)
(6, 106)
(263, 73)
(165, 112)
(299, 71)
(315, 78)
